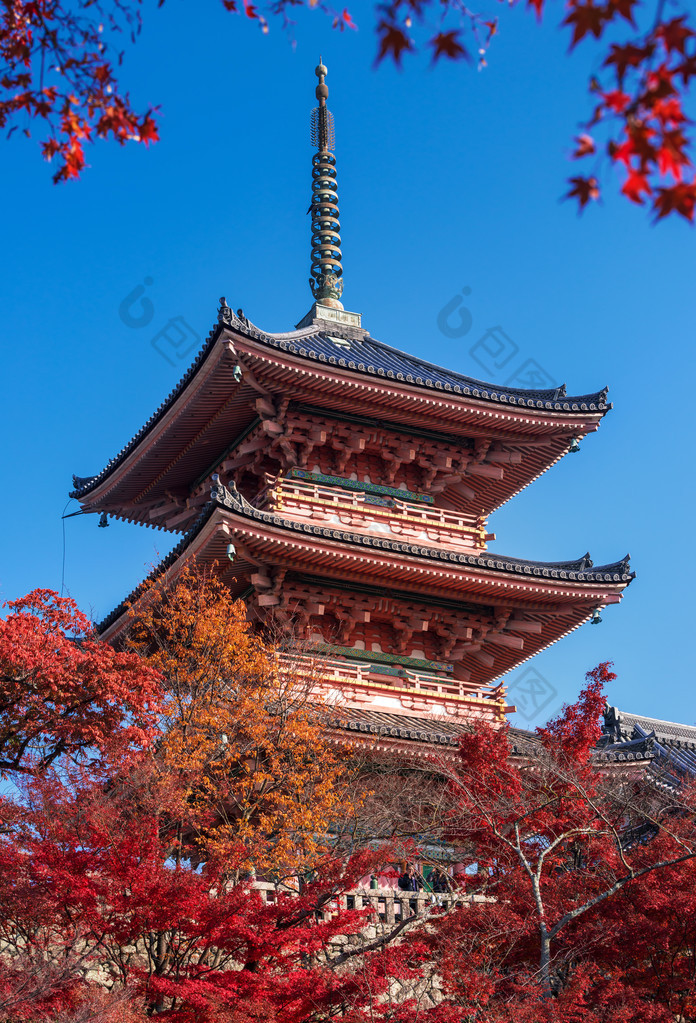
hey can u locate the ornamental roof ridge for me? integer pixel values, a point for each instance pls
(570, 571)
(641, 748)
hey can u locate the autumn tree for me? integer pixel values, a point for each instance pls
(136, 876)
(657, 925)
(65, 693)
(248, 731)
(60, 69)
(91, 886)
(560, 846)
(68, 701)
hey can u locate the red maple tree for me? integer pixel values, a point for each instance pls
(59, 66)
(65, 693)
(570, 857)
(95, 892)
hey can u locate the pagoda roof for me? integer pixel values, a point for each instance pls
(667, 749)
(213, 403)
(670, 747)
(431, 728)
(355, 350)
(435, 731)
(579, 569)
(560, 595)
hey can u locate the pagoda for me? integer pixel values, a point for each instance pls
(342, 487)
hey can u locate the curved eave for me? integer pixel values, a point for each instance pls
(581, 570)
(85, 485)
(376, 359)
(197, 419)
(561, 596)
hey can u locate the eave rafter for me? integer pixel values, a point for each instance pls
(452, 635)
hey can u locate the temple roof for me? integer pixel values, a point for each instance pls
(352, 349)
(668, 745)
(363, 354)
(666, 749)
(621, 725)
(580, 570)
(432, 730)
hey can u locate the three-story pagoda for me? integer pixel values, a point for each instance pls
(342, 487)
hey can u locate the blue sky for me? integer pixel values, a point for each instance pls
(448, 179)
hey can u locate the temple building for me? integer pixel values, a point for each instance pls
(342, 488)
(665, 750)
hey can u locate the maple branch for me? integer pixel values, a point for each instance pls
(633, 876)
(378, 943)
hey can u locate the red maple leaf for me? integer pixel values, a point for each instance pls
(585, 146)
(669, 110)
(635, 185)
(641, 136)
(585, 19)
(674, 34)
(680, 198)
(584, 189)
(687, 69)
(446, 44)
(628, 56)
(660, 83)
(147, 131)
(623, 153)
(393, 41)
(50, 148)
(671, 157)
(624, 8)
(616, 100)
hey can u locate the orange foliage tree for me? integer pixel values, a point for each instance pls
(249, 737)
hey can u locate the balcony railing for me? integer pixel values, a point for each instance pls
(339, 674)
(389, 905)
(306, 500)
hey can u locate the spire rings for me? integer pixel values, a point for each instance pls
(326, 280)
(326, 268)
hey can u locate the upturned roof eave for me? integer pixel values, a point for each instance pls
(580, 572)
(547, 403)
(286, 341)
(623, 724)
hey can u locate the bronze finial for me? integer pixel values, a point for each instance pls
(326, 279)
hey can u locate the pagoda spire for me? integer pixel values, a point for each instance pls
(326, 280)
